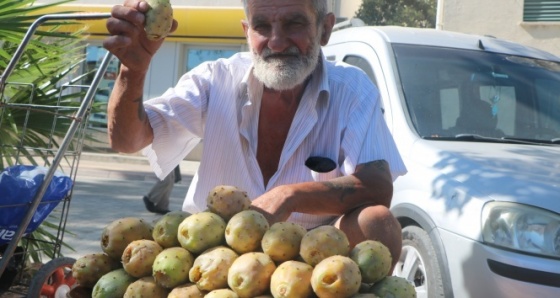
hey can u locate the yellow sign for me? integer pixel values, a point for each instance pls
(196, 24)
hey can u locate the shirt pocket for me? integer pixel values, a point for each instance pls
(320, 176)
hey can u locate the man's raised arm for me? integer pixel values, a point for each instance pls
(128, 125)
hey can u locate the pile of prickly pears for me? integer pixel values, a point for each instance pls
(230, 250)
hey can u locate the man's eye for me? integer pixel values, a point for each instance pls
(261, 27)
(295, 25)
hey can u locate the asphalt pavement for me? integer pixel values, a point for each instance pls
(108, 187)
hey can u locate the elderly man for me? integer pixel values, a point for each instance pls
(303, 136)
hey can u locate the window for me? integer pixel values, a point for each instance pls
(549, 104)
(195, 56)
(362, 64)
(541, 11)
(94, 56)
(450, 92)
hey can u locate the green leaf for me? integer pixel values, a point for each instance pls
(407, 13)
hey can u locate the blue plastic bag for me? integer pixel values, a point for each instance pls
(18, 185)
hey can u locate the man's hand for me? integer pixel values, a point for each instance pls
(128, 40)
(274, 204)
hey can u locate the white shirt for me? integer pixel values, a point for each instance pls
(339, 117)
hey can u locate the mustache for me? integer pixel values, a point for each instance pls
(289, 52)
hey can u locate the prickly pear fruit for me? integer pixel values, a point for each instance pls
(292, 279)
(323, 242)
(210, 269)
(282, 241)
(222, 293)
(112, 284)
(145, 287)
(139, 256)
(119, 233)
(171, 267)
(373, 258)
(244, 231)
(165, 229)
(188, 290)
(393, 286)
(159, 19)
(227, 200)
(336, 277)
(250, 274)
(88, 269)
(201, 231)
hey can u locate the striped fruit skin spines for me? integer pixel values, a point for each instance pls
(159, 19)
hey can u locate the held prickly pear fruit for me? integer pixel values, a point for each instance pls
(336, 277)
(227, 200)
(249, 275)
(188, 290)
(282, 241)
(88, 269)
(165, 229)
(145, 287)
(139, 256)
(201, 231)
(119, 233)
(245, 230)
(159, 19)
(171, 267)
(373, 258)
(393, 286)
(112, 284)
(210, 269)
(292, 279)
(323, 242)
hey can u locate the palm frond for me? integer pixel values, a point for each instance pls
(39, 101)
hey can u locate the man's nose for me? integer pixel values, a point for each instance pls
(278, 41)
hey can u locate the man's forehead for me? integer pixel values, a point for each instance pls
(267, 7)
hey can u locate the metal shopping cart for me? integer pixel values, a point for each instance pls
(60, 154)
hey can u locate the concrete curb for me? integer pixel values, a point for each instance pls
(114, 158)
(117, 166)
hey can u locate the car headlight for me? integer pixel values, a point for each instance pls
(521, 227)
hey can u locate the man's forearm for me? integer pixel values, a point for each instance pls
(370, 185)
(128, 125)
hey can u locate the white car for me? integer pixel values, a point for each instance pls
(477, 122)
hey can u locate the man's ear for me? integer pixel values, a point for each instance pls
(328, 24)
(245, 26)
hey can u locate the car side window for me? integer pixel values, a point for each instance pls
(363, 64)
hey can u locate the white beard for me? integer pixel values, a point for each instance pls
(286, 70)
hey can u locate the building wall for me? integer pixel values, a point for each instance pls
(347, 8)
(499, 18)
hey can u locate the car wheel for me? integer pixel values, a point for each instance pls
(418, 263)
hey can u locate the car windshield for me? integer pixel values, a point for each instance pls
(477, 95)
